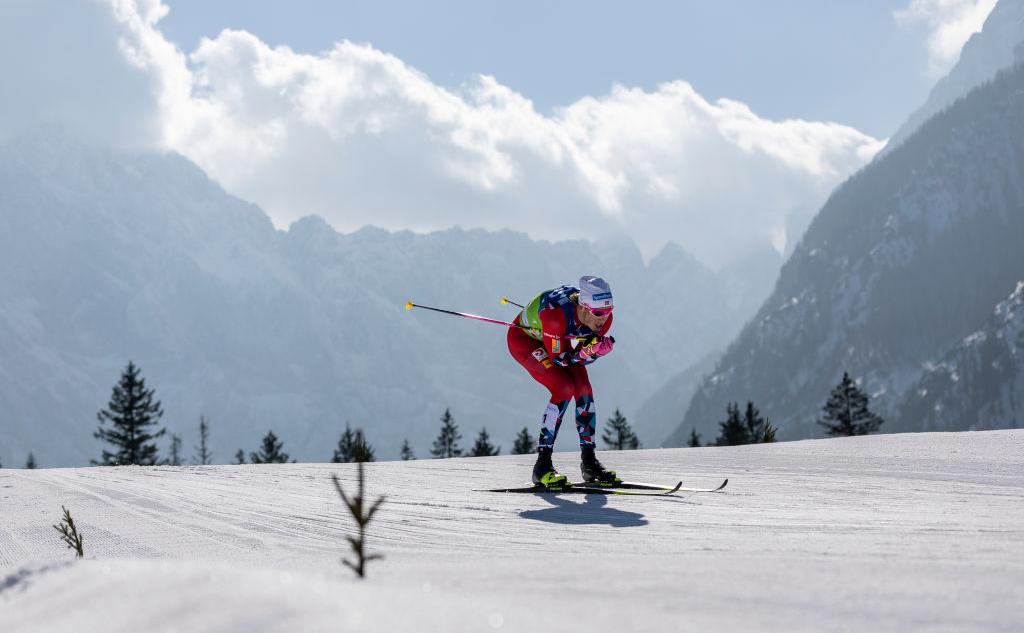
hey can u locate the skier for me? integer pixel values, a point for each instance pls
(543, 345)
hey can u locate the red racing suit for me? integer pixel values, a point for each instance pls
(544, 347)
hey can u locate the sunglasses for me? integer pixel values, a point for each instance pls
(598, 312)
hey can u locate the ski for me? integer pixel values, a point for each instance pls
(585, 489)
(632, 485)
(625, 487)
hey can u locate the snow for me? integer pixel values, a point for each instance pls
(919, 532)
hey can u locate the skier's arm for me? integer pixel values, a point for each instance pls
(595, 347)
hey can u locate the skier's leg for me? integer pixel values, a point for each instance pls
(586, 412)
(557, 380)
(586, 424)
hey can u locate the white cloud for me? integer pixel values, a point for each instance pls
(360, 137)
(950, 23)
(61, 63)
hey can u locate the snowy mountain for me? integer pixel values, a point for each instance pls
(854, 534)
(980, 382)
(906, 258)
(998, 45)
(109, 256)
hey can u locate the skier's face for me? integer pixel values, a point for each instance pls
(593, 321)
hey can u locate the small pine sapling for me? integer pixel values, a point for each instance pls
(362, 516)
(69, 533)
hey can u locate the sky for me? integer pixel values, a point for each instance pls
(722, 126)
(556, 53)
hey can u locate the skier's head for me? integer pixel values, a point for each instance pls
(595, 301)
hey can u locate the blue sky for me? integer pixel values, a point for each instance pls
(844, 61)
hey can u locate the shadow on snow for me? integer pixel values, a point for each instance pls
(593, 510)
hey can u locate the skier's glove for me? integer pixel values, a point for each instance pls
(597, 346)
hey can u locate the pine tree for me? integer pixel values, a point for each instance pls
(352, 447)
(483, 446)
(759, 429)
(407, 453)
(175, 458)
(132, 412)
(240, 457)
(524, 444)
(733, 432)
(270, 452)
(618, 435)
(447, 443)
(694, 441)
(31, 462)
(203, 456)
(847, 413)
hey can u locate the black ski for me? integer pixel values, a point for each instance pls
(586, 489)
(632, 485)
(625, 487)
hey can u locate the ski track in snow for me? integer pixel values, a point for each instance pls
(920, 532)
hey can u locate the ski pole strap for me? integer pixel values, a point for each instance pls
(409, 305)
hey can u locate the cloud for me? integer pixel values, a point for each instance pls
(62, 63)
(950, 23)
(360, 137)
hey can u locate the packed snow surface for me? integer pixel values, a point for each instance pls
(915, 532)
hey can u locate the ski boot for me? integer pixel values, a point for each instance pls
(594, 472)
(544, 473)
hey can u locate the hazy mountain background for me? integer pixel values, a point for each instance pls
(995, 48)
(905, 259)
(109, 255)
(998, 45)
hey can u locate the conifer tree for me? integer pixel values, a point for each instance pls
(203, 456)
(847, 413)
(694, 440)
(618, 435)
(175, 458)
(447, 443)
(352, 447)
(270, 452)
(133, 414)
(406, 452)
(483, 446)
(240, 457)
(524, 444)
(31, 462)
(733, 432)
(759, 429)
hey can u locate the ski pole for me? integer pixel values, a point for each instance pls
(409, 305)
(506, 300)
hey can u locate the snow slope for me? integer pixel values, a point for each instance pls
(920, 532)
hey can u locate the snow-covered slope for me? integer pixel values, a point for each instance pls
(998, 45)
(109, 256)
(980, 382)
(904, 260)
(919, 532)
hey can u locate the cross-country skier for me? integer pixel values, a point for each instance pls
(544, 347)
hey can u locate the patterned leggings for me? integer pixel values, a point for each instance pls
(564, 383)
